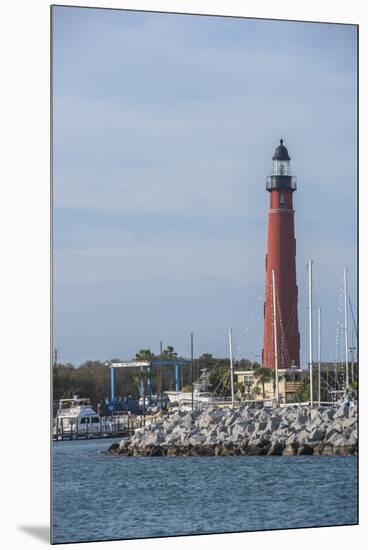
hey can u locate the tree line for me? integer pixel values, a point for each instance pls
(92, 378)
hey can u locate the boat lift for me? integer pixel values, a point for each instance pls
(146, 366)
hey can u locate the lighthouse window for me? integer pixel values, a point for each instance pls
(282, 199)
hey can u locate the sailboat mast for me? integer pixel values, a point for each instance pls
(191, 367)
(160, 375)
(310, 332)
(352, 356)
(275, 338)
(319, 356)
(346, 330)
(231, 367)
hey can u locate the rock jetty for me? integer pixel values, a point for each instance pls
(246, 431)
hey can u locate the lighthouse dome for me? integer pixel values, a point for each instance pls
(281, 153)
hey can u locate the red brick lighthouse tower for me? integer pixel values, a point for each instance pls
(281, 333)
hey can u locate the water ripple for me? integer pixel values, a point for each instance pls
(97, 497)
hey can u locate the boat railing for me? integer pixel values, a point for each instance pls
(107, 426)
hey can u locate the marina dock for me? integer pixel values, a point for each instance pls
(108, 427)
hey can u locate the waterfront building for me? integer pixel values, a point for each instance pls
(256, 389)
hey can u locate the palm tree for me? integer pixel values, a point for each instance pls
(256, 391)
(144, 354)
(263, 376)
(169, 353)
(141, 380)
(143, 376)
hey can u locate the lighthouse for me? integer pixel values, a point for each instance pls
(281, 339)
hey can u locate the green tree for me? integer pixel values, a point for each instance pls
(144, 354)
(169, 353)
(243, 364)
(302, 394)
(263, 376)
(219, 380)
(206, 356)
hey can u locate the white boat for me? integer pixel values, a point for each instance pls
(76, 415)
(186, 397)
(201, 394)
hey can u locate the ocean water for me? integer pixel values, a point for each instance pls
(98, 497)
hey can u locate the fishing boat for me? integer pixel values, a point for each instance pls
(76, 415)
(201, 393)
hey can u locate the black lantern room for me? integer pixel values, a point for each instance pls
(281, 178)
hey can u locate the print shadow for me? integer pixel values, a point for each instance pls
(41, 532)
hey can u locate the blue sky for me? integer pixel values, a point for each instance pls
(164, 130)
